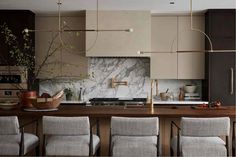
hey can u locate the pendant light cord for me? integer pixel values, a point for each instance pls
(198, 30)
(97, 15)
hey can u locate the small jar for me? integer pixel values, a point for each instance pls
(181, 94)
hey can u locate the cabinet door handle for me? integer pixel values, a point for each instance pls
(232, 81)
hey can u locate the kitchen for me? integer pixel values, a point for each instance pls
(136, 58)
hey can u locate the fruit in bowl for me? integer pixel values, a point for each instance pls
(46, 101)
(45, 95)
(190, 88)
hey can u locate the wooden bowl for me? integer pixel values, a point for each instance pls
(46, 103)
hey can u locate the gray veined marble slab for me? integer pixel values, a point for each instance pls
(134, 70)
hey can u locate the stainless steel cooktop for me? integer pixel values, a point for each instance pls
(118, 101)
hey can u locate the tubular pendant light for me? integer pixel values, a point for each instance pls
(61, 28)
(192, 29)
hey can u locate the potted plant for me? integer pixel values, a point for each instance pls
(68, 93)
(23, 55)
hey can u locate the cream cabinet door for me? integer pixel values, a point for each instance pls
(164, 33)
(189, 40)
(163, 65)
(64, 62)
(164, 42)
(118, 43)
(191, 65)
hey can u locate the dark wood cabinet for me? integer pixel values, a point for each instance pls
(220, 26)
(222, 77)
(220, 66)
(17, 21)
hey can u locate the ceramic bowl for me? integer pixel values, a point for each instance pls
(8, 105)
(190, 88)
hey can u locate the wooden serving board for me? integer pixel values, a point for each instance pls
(208, 108)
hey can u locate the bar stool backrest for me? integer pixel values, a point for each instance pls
(135, 126)
(66, 125)
(9, 125)
(203, 127)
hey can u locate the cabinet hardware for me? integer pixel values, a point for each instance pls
(232, 81)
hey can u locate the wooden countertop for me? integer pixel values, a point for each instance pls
(108, 111)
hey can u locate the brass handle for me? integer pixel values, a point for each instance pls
(115, 83)
(232, 81)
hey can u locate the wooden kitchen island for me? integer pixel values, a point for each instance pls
(104, 113)
(139, 111)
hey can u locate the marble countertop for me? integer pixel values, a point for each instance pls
(74, 102)
(155, 102)
(179, 102)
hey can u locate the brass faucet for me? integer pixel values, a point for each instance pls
(150, 102)
(115, 83)
(156, 81)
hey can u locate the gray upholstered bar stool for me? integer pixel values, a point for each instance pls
(234, 139)
(69, 136)
(201, 137)
(13, 140)
(134, 137)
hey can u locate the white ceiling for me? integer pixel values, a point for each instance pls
(156, 6)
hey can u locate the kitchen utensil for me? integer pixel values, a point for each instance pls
(164, 96)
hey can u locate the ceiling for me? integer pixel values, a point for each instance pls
(156, 6)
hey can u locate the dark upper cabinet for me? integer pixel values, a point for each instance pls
(17, 21)
(220, 66)
(220, 26)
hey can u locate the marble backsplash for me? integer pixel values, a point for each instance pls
(134, 70)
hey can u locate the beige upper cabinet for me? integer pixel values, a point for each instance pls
(118, 43)
(188, 39)
(191, 65)
(68, 61)
(163, 65)
(164, 34)
(172, 33)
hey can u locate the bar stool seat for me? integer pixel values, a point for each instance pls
(132, 137)
(134, 146)
(69, 136)
(13, 140)
(233, 140)
(201, 137)
(71, 145)
(200, 146)
(9, 144)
